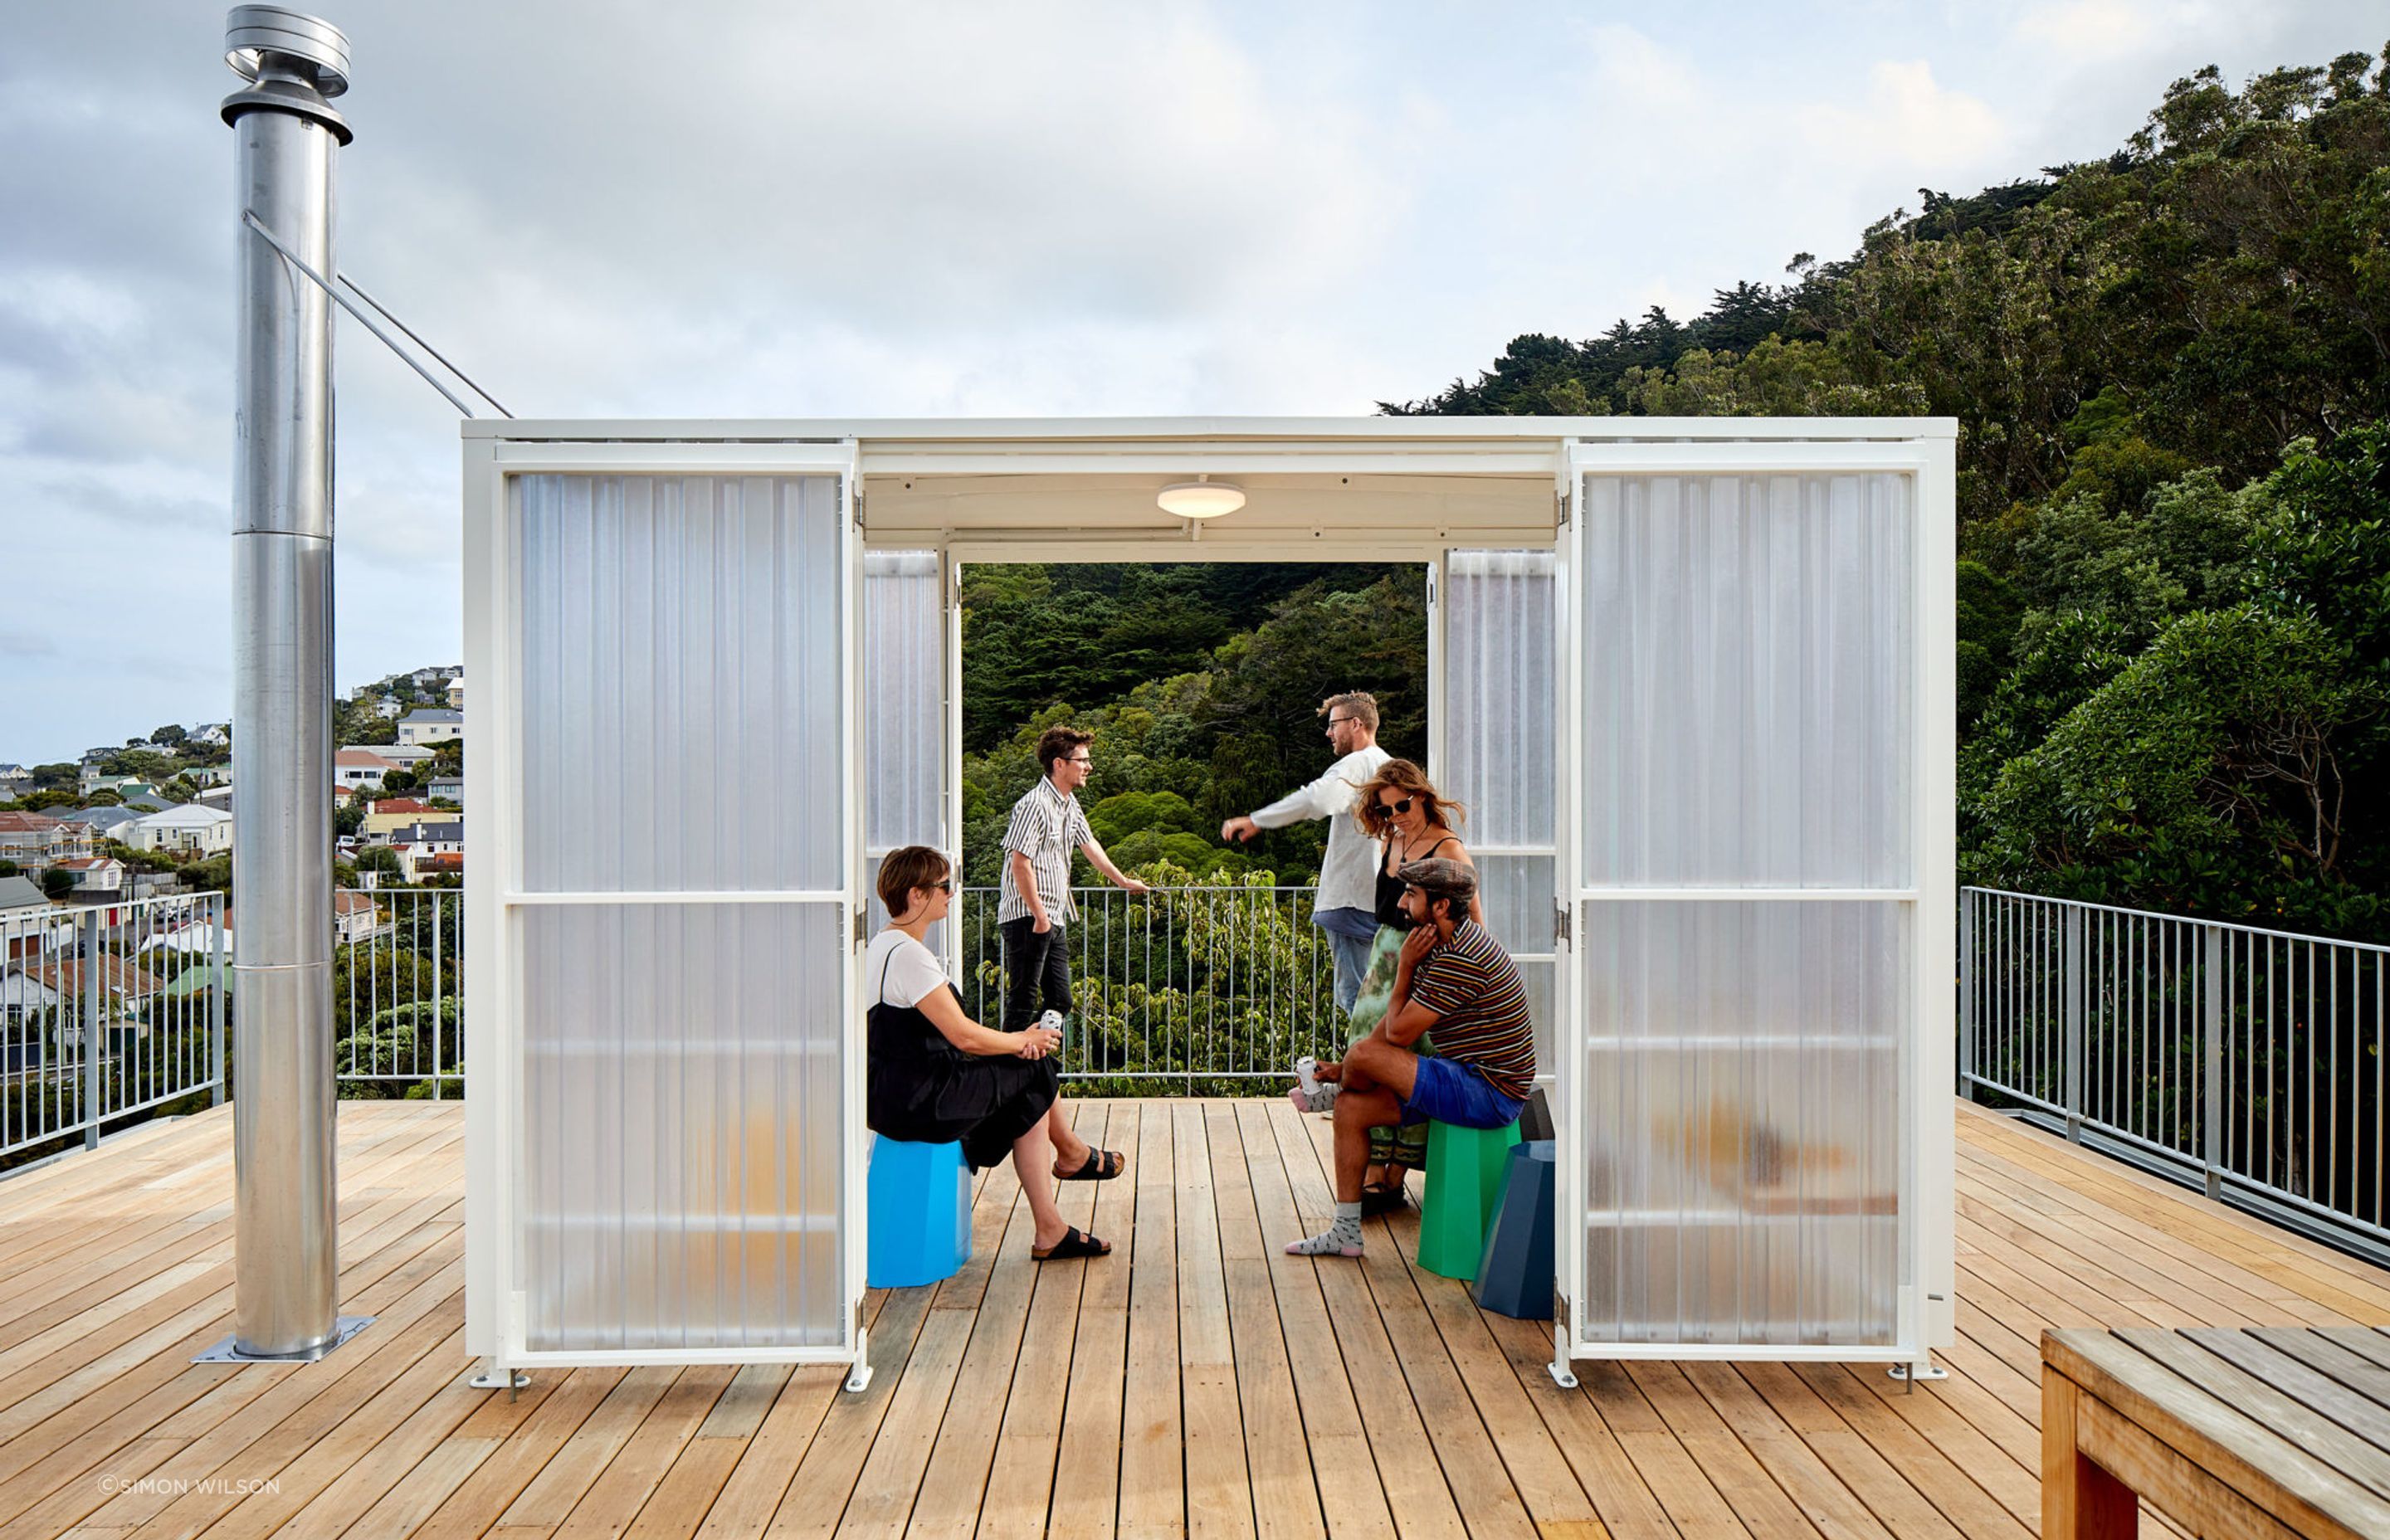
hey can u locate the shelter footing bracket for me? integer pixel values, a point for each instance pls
(1563, 1370)
(229, 1351)
(492, 1377)
(1924, 1368)
(858, 1374)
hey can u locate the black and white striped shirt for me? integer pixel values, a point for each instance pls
(1047, 825)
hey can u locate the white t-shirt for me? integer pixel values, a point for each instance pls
(913, 971)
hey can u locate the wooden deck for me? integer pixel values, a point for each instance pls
(1197, 1383)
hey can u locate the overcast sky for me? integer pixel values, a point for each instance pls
(759, 208)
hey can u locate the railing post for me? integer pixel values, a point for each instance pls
(1966, 1023)
(436, 994)
(2211, 1111)
(94, 993)
(219, 987)
(2071, 988)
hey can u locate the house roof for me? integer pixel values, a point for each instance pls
(357, 759)
(65, 976)
(19, 892)
(27, 823)
(428, 834)
(431, 713)
(189, 816)
(88, 862)
(350, 904)
(400, 805)
(100, 820)
(441, 864)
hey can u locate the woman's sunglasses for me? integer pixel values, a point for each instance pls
(1402, 806)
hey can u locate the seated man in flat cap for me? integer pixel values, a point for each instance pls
(1454, 978)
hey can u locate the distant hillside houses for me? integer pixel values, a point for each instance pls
(429, 725)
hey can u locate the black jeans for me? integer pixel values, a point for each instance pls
(1036, 971)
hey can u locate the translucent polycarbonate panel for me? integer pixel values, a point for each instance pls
(681, 672)
(1747, 680)
(1501, 662)
(682, 1136)
(1501, 657)
(1517, 893)
(1744, 1111)
(903, 709)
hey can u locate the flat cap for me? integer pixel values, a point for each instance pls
(1439, 877)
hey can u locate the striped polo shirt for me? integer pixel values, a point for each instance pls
(1481, 1008)
(1047, 825)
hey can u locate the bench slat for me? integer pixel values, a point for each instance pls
(2281, 1394)
(2270, 1470)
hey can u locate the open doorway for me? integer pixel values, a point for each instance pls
(1201, 683)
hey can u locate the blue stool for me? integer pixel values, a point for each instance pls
(921, 1221)
(1514, 1277)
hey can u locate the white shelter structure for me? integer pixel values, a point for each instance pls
(1693, 677)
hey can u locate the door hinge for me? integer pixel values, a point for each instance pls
(861, 920)
(1561, 509)
(1561, 923)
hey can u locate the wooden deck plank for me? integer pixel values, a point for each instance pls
(1084, 1504)
(1416, 1494)
(1152, 1462)
(1292, 1397)
(1345, 1474)
(1019, 1486)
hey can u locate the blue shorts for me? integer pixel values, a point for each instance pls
(1453, 1092)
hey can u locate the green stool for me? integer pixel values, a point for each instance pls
(1465, 1167)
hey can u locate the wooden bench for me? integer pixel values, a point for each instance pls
(2275, 1431)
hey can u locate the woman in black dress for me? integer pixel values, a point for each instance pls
(937, 1077)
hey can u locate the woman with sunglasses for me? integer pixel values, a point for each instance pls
(1399, 808)
(936, 1076)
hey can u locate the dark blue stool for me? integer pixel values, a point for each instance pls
(1514, 1277)
(920, 1222)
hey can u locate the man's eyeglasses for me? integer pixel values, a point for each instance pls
(1081, 759)
(1402, 806)
(1340, 721)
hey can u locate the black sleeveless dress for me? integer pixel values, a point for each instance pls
(921, 1089)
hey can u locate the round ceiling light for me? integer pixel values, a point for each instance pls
(1202, 499)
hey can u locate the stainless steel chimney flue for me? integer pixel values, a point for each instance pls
(285, 1271)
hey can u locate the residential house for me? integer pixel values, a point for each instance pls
(456, 693)
(32, 984)
(193, 938)
(208, 775)
(430, 725)
(407, 755)
(212, 734)
(416, 845)
(105, 822)
(447, 788)
(14, 780)
(20, 899)
(446, 865)
(354, 917)
(192, 829)
(97, 878)
(358, 768)
(385, 818)
(35, 841)
(388, 708)
(220, 796)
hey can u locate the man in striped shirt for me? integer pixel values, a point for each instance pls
(1453, 977)
(1034, 903)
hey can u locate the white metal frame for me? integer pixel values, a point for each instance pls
(1925, 1317)
(861, 450)
(495, 899)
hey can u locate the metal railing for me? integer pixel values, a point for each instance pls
(1203, 988)
(2248, 1062)
(398, 991)
(108, 1011)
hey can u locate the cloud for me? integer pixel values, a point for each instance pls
(1907, 119)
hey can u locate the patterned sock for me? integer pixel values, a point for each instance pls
(1320, 1098)
(1340, 1240)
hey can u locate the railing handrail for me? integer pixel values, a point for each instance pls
(2181, 919)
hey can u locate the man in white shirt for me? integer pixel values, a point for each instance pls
(1347, 898)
